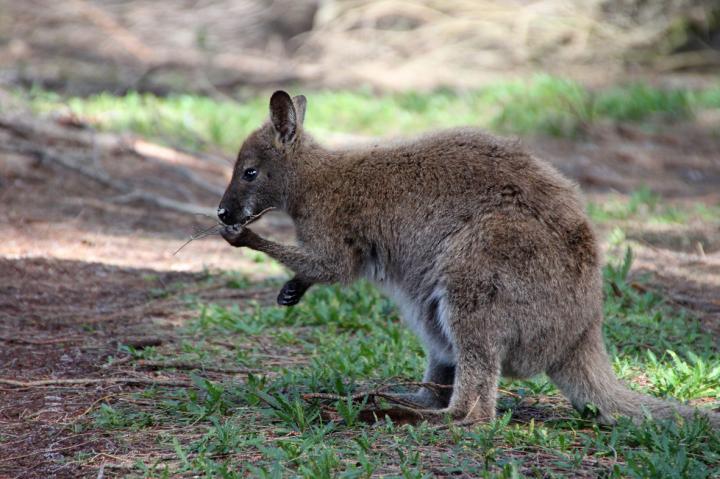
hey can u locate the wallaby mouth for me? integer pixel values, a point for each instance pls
(246, 220)
(242, 221)
(246, 215)
(235, 218)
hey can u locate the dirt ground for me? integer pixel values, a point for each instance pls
(82, 271)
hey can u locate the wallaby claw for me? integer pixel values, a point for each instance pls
(292, 292)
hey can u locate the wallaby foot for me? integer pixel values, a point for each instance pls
(406, 414)
(292, 292)
(472, 397)
(477, 367)
(441, 415)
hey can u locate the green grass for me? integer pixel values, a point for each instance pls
(646, 206)
(342, 340)
(542, 104)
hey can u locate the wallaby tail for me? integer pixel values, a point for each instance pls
(586, 378)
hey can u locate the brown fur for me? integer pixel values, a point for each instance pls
(486, 250)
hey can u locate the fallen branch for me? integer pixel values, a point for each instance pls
(92, 406)
(380, 393)
(128, 192)
(117, 362)
(45, 132)
(39, 342)
(191, 366)
(338, 397)
(142, 342)
(45, 451)
(86, 381)
(55, 132)
(401, 407)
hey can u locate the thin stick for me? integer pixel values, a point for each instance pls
(90, 408)
(44, 451)
(378, 392)
(190, 366)
(211, 230)
(427, 385)
(201, 234)
(462, 423)
(256, 217)
(117, 362)
(41, 341)
(84, 381)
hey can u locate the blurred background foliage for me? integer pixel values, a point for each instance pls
(224, 46)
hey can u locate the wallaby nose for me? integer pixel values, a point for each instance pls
(224, 215)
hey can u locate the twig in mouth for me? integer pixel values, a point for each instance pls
(216, 228)
(212, 230)
(255, 217)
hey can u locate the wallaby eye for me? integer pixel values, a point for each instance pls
(250, 174)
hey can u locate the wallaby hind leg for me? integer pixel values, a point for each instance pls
(474, 392)
(439, 373)
(477, 374)
(477, 371)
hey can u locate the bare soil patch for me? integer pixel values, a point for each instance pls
(678, 160)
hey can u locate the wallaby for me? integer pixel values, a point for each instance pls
(485, 249)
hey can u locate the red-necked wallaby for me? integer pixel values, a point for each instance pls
(485, 249)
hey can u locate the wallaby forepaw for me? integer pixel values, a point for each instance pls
(237, 235)
(288, 296)
(291, 293)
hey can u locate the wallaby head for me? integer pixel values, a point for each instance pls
(263, 167)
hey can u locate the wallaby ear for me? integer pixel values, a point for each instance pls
(283, 116)
(300, 104)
